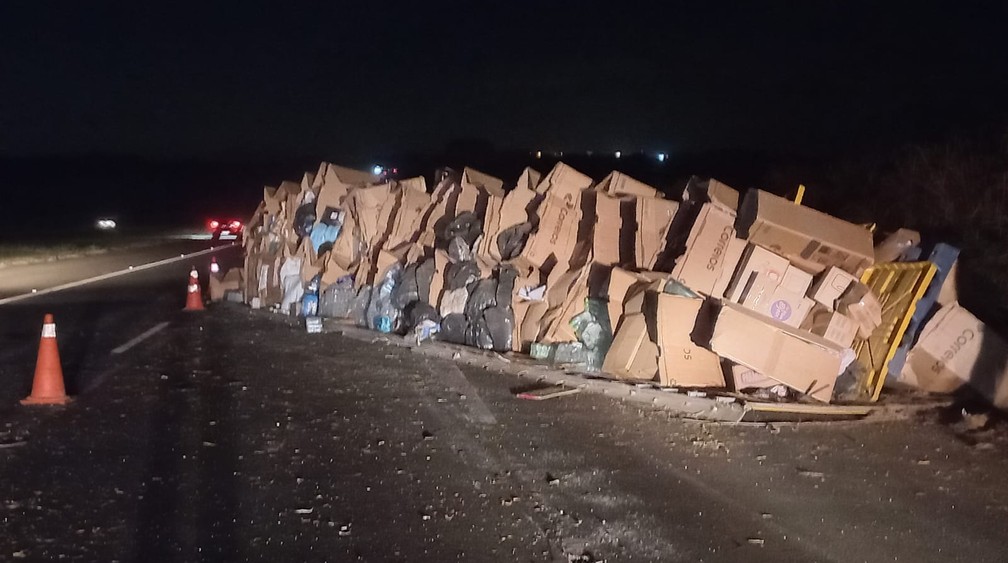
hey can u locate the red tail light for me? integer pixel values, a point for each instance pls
(235, 225)
(214, 224)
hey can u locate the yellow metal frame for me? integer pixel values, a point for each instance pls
(898, 286)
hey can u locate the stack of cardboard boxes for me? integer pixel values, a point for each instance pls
(718, 291)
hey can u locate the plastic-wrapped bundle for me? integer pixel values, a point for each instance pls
(382, 314)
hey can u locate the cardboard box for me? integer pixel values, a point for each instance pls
(230, 281)
(747, 378)
(632, 355)
(732, 258)
(830, 285)
(832, 326)
(704, 261)
(619, 184)
(712, 191)
(608, 230)
(681, 362)
(553, 241)
(620, 282)
(757, 261)
(860, 304)
(766, 297)
(799, 359)
(956, 348)
(654, 219)
(808, 238)
(563, 181)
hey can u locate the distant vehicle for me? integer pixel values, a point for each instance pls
(225, 230)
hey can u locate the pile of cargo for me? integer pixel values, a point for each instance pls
(718, 291)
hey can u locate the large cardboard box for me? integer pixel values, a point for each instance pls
(681, 362)
(799, 359)
(632, 355)
(707, 249)
(808, 238)
(830, 285)
(956, 348)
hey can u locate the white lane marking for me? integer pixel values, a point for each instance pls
(111, 275)
(151, 332)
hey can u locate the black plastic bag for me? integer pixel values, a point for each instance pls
(511, 241)
(453, 329)
(481, 297)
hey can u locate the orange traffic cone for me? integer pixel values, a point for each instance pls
(47, 388)
(194, 297)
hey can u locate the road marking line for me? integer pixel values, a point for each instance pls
(111, 275)
(156, 329)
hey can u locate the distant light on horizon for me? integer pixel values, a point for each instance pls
(619, 154)
(377, 170)
(662, 157)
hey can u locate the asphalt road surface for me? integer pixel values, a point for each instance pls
(232, 435)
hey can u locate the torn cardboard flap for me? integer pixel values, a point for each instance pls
(796, 358)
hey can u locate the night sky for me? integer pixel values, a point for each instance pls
(191, 80)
